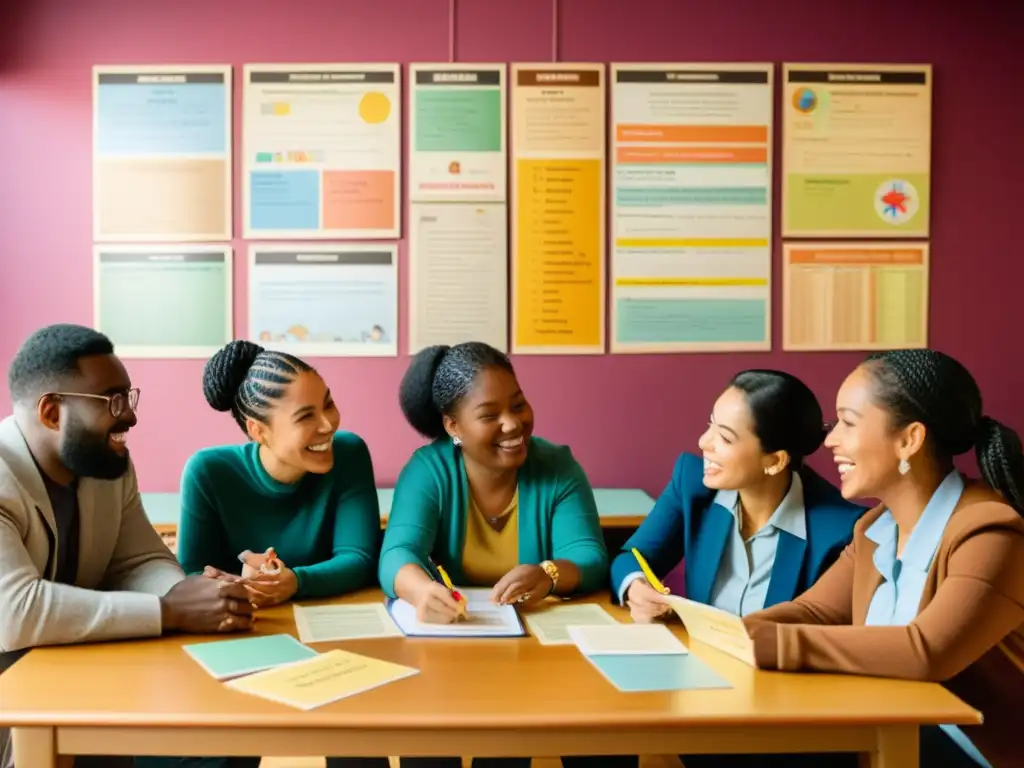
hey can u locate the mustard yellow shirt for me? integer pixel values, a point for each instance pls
(487, 554)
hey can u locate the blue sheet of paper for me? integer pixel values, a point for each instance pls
(226, 659)
(674, 672)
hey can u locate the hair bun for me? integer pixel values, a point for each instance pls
(226, 371)
(416, 392)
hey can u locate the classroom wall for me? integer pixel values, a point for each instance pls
(626, 417)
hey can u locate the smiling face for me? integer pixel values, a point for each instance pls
(300, 427)
(92, 441)
(865, 447)
(733, 456)
(493, 420)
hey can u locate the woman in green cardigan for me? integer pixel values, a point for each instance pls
(493, 505)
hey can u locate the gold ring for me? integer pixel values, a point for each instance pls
(523, 598)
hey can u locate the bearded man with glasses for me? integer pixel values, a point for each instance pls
(79, 559)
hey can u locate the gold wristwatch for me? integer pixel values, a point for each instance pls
(552, 571)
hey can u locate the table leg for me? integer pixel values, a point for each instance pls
(35, 747)
(898, 747)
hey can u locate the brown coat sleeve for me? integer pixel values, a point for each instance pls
(978, 603)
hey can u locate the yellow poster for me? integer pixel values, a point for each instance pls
(856, 151)
(558, 231)
(854, 296)
(322, 679)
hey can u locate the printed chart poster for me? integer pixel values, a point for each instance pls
(458, 274)
(558, 146)
(322, 151)
(691, 208)
(326, 300)
(457, 133)
(163, 301)
(856, 151)
(161, 153)
(855, 296)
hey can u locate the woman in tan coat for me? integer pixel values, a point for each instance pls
(932, 585)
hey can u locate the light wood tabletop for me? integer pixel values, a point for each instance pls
(472, 697)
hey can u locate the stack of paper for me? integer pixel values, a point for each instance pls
(329, 677)
(226, 659)
(719, 629)
(483, 619)
(551, 625)
(643, 657)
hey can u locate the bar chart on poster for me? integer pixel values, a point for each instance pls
(691, 207)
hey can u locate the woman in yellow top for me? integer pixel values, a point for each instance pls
(493, 505)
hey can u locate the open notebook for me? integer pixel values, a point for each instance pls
(483, 619)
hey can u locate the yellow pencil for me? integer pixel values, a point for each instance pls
(451, 587)
(649, 574)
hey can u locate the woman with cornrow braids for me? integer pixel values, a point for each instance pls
(932, 585)
(294, 509)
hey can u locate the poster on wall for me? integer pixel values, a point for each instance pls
(161, 153)
(691, 207)
(558, 224)
(324, 299)
(856, 150)
(458, 274)
(854, 296)
(163, 301)
(457, 133)
(321, 151)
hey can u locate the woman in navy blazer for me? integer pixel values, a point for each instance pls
(754, 526)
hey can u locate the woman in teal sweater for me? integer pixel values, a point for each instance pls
(493, 505)
(299, 487)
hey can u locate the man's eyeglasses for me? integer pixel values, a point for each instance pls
(118, 403)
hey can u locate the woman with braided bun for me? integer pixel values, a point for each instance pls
(932, 585)
(298, 489)
(487, 501)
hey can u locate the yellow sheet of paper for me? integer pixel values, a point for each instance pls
(715, 627)
(551, 625)
(328, 677)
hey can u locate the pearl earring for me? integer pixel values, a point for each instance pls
(904, 466)
(769, 470)
(456, 441)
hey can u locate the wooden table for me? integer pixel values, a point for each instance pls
(472, 697)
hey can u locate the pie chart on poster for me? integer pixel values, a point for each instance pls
(374, 107)
(805, 100)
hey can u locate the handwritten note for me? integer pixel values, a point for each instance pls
(332, 623)
(326, 678)
(551, 625)
(719, 629)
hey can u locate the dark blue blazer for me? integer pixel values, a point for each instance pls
(686, 523)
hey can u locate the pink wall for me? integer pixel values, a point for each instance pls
(626, 417)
